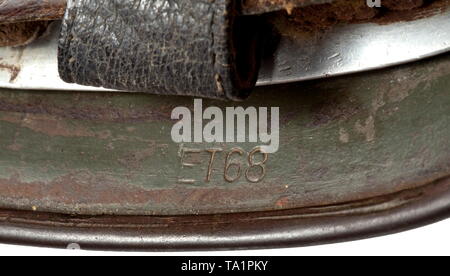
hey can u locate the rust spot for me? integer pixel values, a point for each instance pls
(12, 69)
(14, 147)
(282, 202)
(78, 192)
(333, 108)
(367, 129)
(47, 125)
(134, 161)
(344, 136)
(73, 109)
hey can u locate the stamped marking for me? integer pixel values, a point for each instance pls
(186, 153)
(237, 164)
(229, 164)
(253, 164)
(187, 181)
(211, 162)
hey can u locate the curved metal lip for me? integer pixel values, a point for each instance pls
(354, 48)
(275, 229)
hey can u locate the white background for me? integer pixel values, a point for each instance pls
(429, 240)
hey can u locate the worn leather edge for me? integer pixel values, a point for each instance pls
(211, 56)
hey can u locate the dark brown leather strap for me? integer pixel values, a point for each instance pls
(171, 47)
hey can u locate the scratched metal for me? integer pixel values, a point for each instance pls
(342, 140)
(351, 48)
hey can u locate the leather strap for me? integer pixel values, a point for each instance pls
(173, 47)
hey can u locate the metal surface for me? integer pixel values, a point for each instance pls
(343, 49)
(112, 153)
(297, 227)
(360, 155)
